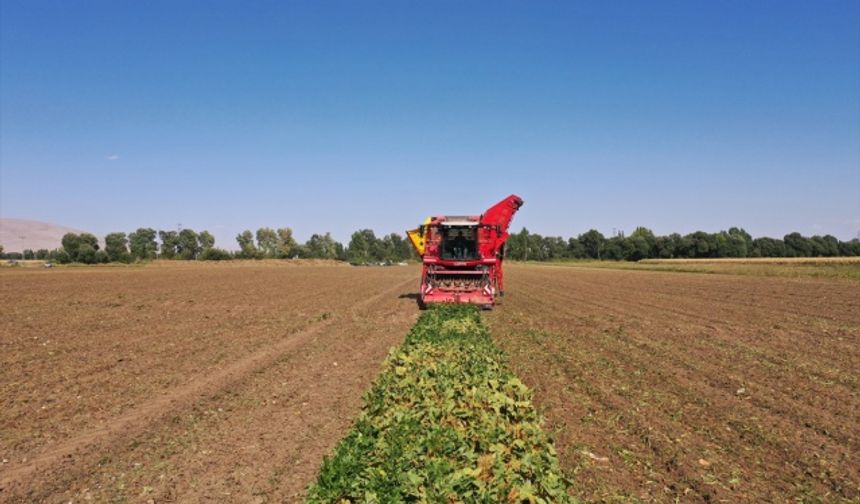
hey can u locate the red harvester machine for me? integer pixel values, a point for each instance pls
(463, 256)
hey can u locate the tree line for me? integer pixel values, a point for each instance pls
(642, 243)
(366, 248)
(146, 244)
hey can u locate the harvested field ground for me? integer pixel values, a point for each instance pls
(230, 382)
(191, 382)
(665, 385)
(821, 267)
(815, 267)
(786, 261)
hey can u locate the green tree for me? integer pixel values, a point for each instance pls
(142, 244)
(593, 242)
(401, 250)
(635, 248)
(684, 246)
(116, 247)
(321, 246)
(101, 257)
(214, 254)
(41, 254)
(207, 241)
(535, 247)
(850, 248)
(300, 251)
(189, 245)
(797, 246)
(267, 242)
(575, 249)
(247, 249)
(521, 246)
(767, 247)
(642, 243)
(169, 244)
(741, 242)
(664, 246)
(514, 247)
(89, 239)
(384, 249)
(555, 248)
(61, 256)
(86, 254)
(340, 251)
(702, 244)
(613, 249)
(826, 246)
(361, 245)
(71, 244)
(29, 254)
(286, 243)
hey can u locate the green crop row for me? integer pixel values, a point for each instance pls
(445, 422)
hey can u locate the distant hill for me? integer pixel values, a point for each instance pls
(16, 235)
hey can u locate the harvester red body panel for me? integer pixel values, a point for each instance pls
(462, 256)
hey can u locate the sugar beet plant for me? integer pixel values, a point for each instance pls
(444, 422)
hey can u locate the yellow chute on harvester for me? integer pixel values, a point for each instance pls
(417, 237)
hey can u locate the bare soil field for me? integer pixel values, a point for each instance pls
(759, 260)
(667, 386)
(191, 382)
(847, 268)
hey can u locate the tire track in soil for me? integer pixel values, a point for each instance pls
(818, 408)
(698, 285)
(131, 335)
(654, 365)
(724, 329)
(633, 424)
(824, 403)
(291, 416)
(707, 399)
(73, 455)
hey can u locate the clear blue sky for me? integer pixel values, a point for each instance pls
(334, 116)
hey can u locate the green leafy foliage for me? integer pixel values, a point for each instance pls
(364, 247)
(169, 244)
(445, 422)
(644, 244)
(215, 254)
(116, 247)
(142, 244)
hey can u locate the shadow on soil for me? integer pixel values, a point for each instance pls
(416, 297)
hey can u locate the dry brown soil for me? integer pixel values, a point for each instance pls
(186, 382)
(230, 382)
(691, 387)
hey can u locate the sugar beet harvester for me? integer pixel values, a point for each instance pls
(462, 255)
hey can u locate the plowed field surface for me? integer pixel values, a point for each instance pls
(691, 387)
(192, 383)
(230, 382)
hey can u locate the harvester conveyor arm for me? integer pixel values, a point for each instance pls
(501, 213)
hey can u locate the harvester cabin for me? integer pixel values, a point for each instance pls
(459, 240)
